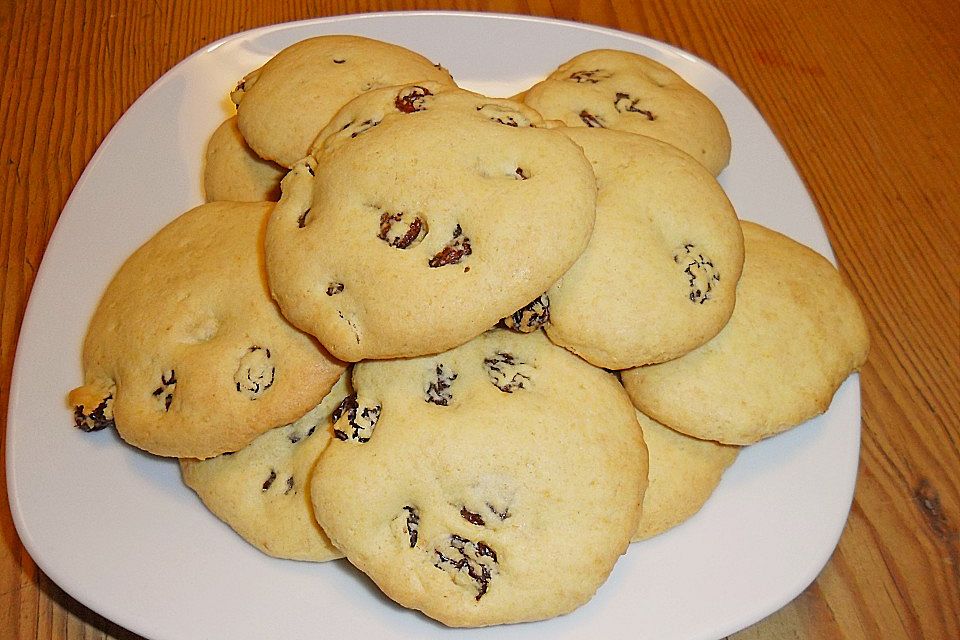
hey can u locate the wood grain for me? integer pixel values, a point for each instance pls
(864, 96)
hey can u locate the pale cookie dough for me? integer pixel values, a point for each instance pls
(630, 92)
(263, 490)
(659, 275)
(284, 104)
(495, 483)
(187, 354)
(796, 333)
(232, 171)
(684, 471)
(430, 213)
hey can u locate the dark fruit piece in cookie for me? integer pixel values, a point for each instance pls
(477, 559)
(353, 421)
(530, 317)
(506, 372)
(454, 251)
(438, 390)
(256, 372)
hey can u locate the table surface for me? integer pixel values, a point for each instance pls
(865, 97)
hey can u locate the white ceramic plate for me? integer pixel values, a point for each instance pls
(116, 529)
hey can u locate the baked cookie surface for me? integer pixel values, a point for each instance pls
(187, 354)
(262, 490)
(284, 104)
(494, 483)
(430, 213)
(621, 90)
(232, 171)
(796, 333)
(658, 277)
(684, 471)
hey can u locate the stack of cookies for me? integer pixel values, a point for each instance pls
(475, 345)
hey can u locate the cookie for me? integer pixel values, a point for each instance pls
(232, 171)
(495, 483)
(429, 213)
(658, 277)
(630, 92)
(262, 491)
(797, 332)
(284, 104)
(684, 471)
(186, 353)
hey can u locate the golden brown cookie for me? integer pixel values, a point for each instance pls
(684, 471)
(232, 171)
(284, 104)
(497, 482)
(630, 92)
(659, 275)
(796, 333)
(187, 354)
(263, 490)
(430, 213)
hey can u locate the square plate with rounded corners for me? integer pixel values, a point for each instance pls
(117, 530)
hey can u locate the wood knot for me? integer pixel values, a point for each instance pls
(928, 499)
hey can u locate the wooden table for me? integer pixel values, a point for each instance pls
(864, 96)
